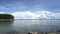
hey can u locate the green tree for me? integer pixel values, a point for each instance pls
(6, 16)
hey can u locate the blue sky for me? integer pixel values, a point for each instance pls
(30, 6)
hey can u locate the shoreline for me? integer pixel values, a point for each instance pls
(6, 20)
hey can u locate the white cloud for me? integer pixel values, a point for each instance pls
(46, 15)
(2, 12)
(25, 15)
(57, 15)
(34, 15)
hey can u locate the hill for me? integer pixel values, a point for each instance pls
(6, 17)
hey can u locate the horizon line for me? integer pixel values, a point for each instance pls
(36, 19)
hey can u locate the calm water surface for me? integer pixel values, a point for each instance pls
(25, 26)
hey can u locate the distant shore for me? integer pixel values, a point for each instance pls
(36, 19)
(6, 20)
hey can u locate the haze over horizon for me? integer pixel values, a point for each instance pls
(31, 9)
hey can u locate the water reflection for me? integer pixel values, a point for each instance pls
(36, 25)
(25, 26)
(5, 27)
(5, 23)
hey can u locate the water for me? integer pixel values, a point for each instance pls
(25, 26)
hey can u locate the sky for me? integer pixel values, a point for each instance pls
(31, 9)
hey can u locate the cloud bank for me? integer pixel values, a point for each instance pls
(35, 15)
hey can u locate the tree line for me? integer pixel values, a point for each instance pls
(6, 16)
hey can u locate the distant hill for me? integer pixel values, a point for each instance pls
(6, 16)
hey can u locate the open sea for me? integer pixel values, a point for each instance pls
(24, 26)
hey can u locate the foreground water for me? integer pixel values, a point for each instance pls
(25, 26)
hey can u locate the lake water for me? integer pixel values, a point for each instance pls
(25, 26)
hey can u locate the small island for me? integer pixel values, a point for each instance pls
(6, 17)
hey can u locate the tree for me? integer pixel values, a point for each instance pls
(6, 16)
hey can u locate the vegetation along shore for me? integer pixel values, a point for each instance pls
(6, 17)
